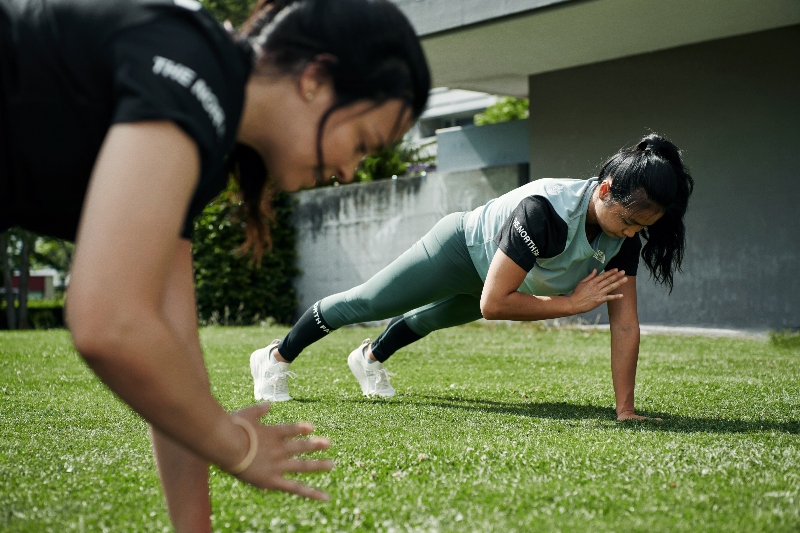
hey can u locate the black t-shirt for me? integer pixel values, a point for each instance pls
(70, 69)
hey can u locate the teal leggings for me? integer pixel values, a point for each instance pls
(434, 285)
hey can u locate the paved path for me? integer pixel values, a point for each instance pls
(689, 331)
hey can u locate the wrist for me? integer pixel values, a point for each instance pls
(572, 307)
(233, 444)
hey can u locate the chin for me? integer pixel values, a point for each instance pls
(294, 184)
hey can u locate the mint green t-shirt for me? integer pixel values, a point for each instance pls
(541, 226)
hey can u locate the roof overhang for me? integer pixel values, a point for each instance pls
(499, 54)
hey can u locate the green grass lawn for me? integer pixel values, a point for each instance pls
(495, 428)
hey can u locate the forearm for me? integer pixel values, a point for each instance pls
(143, 361)
(526, 307)
(624, 359)
(184, 477)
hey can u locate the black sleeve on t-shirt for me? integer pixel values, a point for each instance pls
(627, 258)
(533, 230)
(167, 70)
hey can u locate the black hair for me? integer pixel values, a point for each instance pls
(650, 175)
(367, 48)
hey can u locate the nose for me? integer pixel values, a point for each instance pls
(631, 231)
(346, 175)
(348, 172)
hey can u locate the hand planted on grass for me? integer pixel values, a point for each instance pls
(277, 446)
(594, 289)
(631, 415)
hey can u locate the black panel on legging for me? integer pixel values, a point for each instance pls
(309, 329)
(396, 335)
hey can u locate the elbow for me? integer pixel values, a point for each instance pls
(98, 328)
(491, 310)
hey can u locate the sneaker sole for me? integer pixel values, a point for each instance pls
(384, 395)
(276, 400)
(360, 375)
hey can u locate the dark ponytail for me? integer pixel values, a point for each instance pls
(652, 175)
(367, 48)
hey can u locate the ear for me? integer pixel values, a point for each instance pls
(315, 76)
(604, 189)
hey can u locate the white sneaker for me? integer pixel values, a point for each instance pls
(371, 375)
(270, 376)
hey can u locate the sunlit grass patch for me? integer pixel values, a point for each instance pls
(494, 428)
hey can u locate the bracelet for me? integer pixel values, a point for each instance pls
(251, 453)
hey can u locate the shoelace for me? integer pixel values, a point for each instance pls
(279, 381)
(382, 378)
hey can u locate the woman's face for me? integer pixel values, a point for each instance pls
(350, 133)
(620, 221)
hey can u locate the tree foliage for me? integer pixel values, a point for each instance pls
(382, 165)
(505, 109)
(232, 288)
(236, 11)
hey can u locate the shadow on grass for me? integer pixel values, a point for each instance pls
(569, 411)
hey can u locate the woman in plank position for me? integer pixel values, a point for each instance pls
(549, 249)
(120, 120)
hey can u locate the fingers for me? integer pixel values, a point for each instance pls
(295, 487)
(611, 283)
(632, 416)
(296, 447)
(307, 465)
(290, 431)
(590, 276)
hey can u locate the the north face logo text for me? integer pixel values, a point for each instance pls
(187, 77)
(526, 238)
(318, 319)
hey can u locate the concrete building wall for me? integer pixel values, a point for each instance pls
(733, 106)
(471, 147)
(347, 234)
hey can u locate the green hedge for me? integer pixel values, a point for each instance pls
(232, 289)
(42, 314)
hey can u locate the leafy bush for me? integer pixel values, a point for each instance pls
(232, 289)
(506, 108)
(383, 165)
(42, 314)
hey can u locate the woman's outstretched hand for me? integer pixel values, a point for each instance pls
(277, 446)
(630, 414)
(595, 289)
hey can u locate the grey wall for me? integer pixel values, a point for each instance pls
(347, 234)
(473, 147)
(733, 106)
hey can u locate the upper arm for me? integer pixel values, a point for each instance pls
(504, 277)
(172, 70)
(138, 195)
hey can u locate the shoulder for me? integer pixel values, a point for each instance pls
(627, 258)
(533, 230)
(184, 68)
